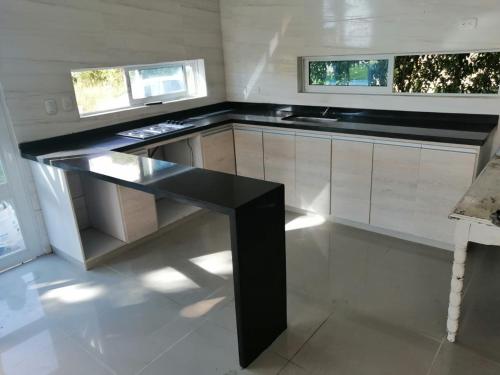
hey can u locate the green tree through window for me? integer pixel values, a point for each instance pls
(463, 73)
(349, 73)
(100, 89)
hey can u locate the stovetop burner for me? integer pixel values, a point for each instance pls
(156, 130)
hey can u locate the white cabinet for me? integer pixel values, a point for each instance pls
(351, 180)
(312, 173)
(115, 215)
(394, 187)
(444, 177)
(279, 162)
(126, 214)
(249, 150)
(218, 151)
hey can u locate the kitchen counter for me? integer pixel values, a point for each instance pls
(436, 127)
(256, 211)
(255, 208)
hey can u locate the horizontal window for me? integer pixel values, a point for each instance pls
(109, 89)
(348, 73)
(471, 73)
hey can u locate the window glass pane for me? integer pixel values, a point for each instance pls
(362, 73)
(147, 82)
(11, 239)
(100, 90)
(462, 73)
(3, 178)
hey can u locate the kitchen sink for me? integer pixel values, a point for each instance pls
(311, 120)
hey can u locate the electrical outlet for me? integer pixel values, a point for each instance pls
(50, 106)
(67, 104)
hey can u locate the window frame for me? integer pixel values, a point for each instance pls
(304, 87)
(325, 89)
(197, 88)
(156, 98)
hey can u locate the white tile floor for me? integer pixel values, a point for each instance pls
(359, 303)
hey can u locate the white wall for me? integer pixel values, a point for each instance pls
(42, 40)
(262, 40)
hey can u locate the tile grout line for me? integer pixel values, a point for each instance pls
(163, 352)
(135, 279)
(431, 367)
(310, 337)
(83, 348)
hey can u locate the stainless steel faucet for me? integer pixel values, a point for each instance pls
(325, 112)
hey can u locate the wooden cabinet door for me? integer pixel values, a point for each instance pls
(394, 187)
(312, 173)
(218, 151)
(249, 151)
(351, 180)
(444, 178)
(279, 162)
(139, 213)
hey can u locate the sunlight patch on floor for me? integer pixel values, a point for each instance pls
(201, 308)
(219, 263)
(168, 280)
(74, 293)
(305, 221)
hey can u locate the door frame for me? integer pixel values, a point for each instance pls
(18, 193)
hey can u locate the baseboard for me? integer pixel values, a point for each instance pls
(372, 228)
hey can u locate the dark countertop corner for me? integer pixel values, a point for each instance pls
(466, 129)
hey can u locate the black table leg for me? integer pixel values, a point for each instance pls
(259, 267)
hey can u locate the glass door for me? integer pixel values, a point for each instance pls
(18, 233)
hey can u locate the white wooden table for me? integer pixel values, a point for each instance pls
(473, 225)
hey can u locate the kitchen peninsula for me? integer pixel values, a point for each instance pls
(221, 167)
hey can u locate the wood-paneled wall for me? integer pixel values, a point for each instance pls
(41, 41)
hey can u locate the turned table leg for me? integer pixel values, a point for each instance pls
(457, 280)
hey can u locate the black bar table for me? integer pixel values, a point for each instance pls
(257, 220)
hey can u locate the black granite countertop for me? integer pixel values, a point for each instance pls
(216, 191)
(424, 126)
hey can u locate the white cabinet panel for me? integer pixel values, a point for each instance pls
(218, 151)
(57, 207)
(394, 187)
(249, 149)
(104, 207)
(444, 178)
(351, 180)
(279, 162)
(312, 173)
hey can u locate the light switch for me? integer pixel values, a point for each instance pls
(67, 104)
(50, 106)
(469, 23)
